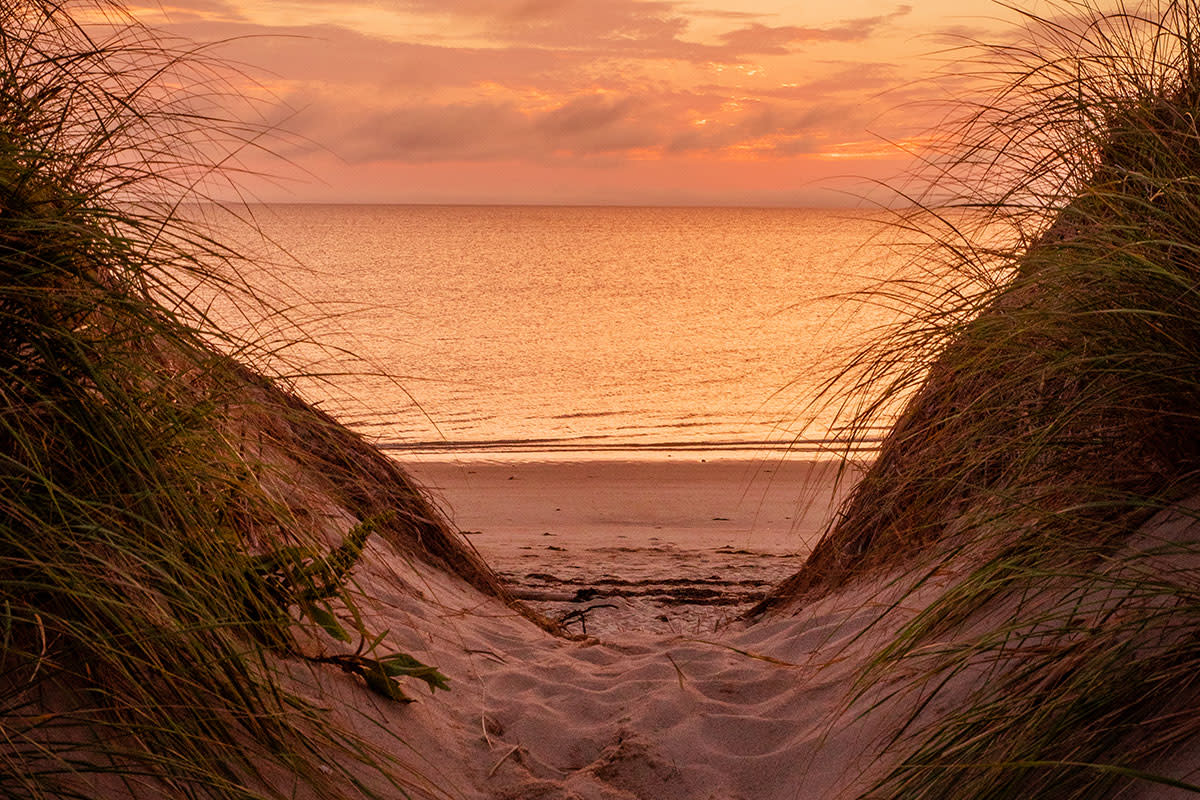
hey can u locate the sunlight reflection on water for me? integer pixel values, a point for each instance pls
(577, 329)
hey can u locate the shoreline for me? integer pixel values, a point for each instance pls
(664, 546)
(510, 450)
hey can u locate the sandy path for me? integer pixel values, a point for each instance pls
(747, 713)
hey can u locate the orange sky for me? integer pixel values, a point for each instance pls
(586, 101)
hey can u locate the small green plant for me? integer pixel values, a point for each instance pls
(381, 672)
(302, 578)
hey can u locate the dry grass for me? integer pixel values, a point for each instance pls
(160, 557)
(1057, 410)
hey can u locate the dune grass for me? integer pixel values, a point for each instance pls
(1052, 410)
(155, 573)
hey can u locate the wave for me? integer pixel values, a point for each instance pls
(593, 444)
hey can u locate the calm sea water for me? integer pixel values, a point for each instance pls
(573, 330)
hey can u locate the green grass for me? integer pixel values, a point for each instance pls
(155, 580)
(1052, 407)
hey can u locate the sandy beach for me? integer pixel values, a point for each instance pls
(498, 467)
(666, 546)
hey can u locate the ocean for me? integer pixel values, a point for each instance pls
(568, 331)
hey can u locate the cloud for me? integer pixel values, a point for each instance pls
(763, 39)
(456, 132)
(716, 13)
(586, 113)
(644, 29)
(546, 82)
(859, 79)
(542, 12)
(769, 129)
(187, 10)
(332, 55)
(625, 26)
(627, 29)
(542, 23)
(585, 127)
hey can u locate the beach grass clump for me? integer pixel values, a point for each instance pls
(159, 567)
(1043, 468)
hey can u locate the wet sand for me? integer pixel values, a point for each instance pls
(669, 546)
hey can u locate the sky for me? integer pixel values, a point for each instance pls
(633, 102)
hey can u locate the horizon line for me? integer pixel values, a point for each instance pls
(866, 206)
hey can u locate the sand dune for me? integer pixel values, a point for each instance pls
(742, 713)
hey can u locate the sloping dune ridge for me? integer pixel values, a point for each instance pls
(209, 588)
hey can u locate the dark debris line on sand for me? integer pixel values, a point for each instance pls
(693, 603)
